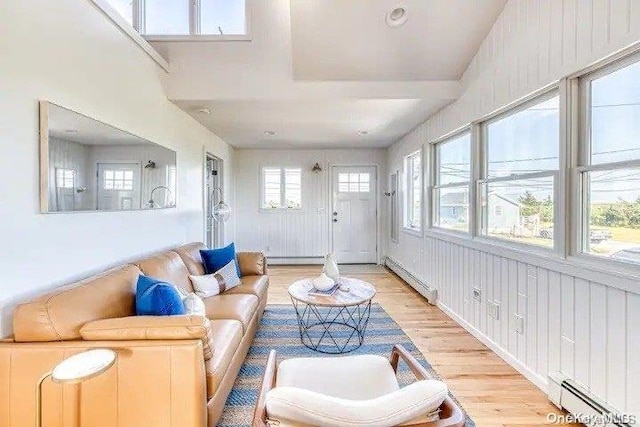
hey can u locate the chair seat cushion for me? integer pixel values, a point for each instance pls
(232, 307)
(225, 340)
(252, 285)
(359, 377)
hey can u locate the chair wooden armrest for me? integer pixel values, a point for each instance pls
(268, 383)
(450, 413)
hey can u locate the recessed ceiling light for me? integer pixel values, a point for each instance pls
(71, 130)
(269, 132)
(397, 16)
(203, 110)
(363, 132)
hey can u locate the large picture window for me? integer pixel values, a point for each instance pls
(413, 196)
(609, 163)
(452, 181)
(281, 188)
(517, 189)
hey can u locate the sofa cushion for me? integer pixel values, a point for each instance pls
(252, 285)
(157, 298)
(167, 266)
(215, 259)
(60, 315)
(235, 307)
(190, 255)
(226, 338)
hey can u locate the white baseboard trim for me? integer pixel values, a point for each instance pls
(430, 293)
(540, 382)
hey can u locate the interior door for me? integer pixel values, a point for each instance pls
(214, 231)
(119, 186)
(354, 214)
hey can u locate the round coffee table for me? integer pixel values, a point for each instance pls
(333, 324)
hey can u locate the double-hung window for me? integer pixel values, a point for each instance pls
(413, 196)
(608, 169)
(520, 171)
(452, 180)
(281, 188)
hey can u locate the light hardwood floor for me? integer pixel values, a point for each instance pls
(492, 392)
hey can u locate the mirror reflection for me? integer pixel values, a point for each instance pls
(94, 166)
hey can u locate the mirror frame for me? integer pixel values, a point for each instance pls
(44, 162)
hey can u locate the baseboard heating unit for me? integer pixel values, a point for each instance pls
(583, 406)
(416, 283)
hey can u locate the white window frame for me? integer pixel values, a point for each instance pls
(435, 168)
(408, 225)
(283, 189)
(581, 166)
(481, 218)
(138, 23)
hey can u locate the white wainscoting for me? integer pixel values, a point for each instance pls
(575, 321)
(295, 236)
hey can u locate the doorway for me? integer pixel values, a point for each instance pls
(354, 221)
(214, 230)
(119, 186)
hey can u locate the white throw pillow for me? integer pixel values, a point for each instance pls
(218, 282)
(193, 304)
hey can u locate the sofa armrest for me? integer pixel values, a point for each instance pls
(134, 328)
(153, 383)
(252, 263)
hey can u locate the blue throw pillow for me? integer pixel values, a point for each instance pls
(215, 259)
(157, 298)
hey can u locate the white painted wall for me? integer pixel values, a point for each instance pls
(296, 233)
(576, 321)
(68, 52)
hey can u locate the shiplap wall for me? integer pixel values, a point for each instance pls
(575, 321)
(295, 233)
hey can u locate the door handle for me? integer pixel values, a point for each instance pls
(335, 219)
(335, 213)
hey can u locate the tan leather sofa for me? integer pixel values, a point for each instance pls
(171, 371)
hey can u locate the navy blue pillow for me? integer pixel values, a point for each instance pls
(157, 298)
(215, 259)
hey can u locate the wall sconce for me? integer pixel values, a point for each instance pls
(316, 168)
(150, 165)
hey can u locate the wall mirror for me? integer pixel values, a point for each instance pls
(87, 165)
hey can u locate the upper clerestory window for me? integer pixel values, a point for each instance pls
(185, 19)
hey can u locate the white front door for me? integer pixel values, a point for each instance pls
(119, 186)
(354, 214)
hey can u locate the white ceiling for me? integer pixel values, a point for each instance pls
(70, 126)
(319, 71)
(350, 40)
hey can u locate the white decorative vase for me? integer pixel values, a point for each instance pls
(331, 267)
(323, 282)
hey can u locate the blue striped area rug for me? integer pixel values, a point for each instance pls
(279, 330)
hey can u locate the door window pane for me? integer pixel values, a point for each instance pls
(222, 17)
(615, 116)
(353, 182)
(525, 142)
(614, 214)
(519, 210)
(167, 17)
